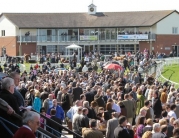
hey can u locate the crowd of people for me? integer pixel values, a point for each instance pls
(111, 104)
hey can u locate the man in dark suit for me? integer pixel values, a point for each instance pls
(7, 95)
(84, 118)
(88, 94)
(16, 77)
(57, 89)
(65, 100)
(99, 98)
(162, 133)
(56, 129)
(77, 91)
(121, 131)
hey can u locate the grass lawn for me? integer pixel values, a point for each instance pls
(171, 72)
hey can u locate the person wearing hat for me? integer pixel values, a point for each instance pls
(121, 131)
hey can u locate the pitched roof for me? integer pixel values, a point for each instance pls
(84, 20)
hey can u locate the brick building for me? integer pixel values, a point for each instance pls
(102, 31)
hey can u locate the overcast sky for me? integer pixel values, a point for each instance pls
(81, 5)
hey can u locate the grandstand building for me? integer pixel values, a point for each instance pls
(94, 31)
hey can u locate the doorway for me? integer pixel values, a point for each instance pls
(44, 50)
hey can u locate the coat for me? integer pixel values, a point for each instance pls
(107, 114)
(129, 108)
(91, 133)
(76, 92)
(140, 103)
(120, 132)
(111, 125)
(99, 100)
(65, 101)
(19, 97)
(12, 101)
(37, 104)
(24, 132)
(157, 106)
(59, 112)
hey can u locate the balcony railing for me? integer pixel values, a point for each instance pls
(75, 38)
(27, 38)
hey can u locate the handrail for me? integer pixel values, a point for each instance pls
(20, 118)
(9, 131)
(52, 121)
(53, 129)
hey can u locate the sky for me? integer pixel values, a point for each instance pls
(50, 6)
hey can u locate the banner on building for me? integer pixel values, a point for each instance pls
(89, 38)
(133, 37)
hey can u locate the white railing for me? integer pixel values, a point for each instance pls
(160, 66)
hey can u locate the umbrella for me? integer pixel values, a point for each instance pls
(113, 66)
(111, 62)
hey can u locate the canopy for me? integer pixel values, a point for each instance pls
(73, 46)
(70, 49)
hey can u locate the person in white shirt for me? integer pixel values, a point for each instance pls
(115, 106)
(171, 113)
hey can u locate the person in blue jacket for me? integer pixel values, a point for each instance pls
(59, 111)
(37, 105)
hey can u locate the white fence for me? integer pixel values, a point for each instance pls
(160, 66)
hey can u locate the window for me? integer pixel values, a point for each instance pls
(2, 32)
(175, 30)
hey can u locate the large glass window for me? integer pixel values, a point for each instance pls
(107, 49)
(127, 48)
(51, 49)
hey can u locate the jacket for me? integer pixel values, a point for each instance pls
(91, 133)
(19, 97)
(111, 125)
(37, 104)
(59, 112)
(129, 108)
(65, 101)
(24, 132)
(12, 101)
(120, 132)
(76, 92)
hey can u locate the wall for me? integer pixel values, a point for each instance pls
(10, 44)
(165, 25)
(8, 26)
(162, 44)
(28, 48)
(33, 32)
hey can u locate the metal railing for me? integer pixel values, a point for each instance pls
(56, 123)
(40, 130)
(75, 38)
(160, 66)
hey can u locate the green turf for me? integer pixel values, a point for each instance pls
(171, 72)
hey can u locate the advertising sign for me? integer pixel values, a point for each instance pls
(89, 38)
(133, 37)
